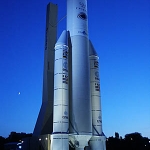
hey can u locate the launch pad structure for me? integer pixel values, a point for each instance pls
(70, 114)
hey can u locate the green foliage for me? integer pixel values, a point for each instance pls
(133, 141)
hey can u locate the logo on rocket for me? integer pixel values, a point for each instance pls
(82, 15)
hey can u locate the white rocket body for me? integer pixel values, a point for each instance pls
(80, 77)
(61, 102)
(97, 142)
(80, 103)
(77, 110)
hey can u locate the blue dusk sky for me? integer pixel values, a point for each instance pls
(119, 31)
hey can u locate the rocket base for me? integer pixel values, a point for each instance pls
(79, 141)
(59, 142)
(98, 142)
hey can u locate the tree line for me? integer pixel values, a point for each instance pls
(132, 141)
(13, 137)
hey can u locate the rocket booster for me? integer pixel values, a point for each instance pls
(60, 118)
(60, 107)
(98, 138)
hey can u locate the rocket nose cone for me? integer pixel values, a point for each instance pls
(63, 39)
(92, 50)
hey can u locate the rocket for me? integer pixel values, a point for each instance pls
(77, 119)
